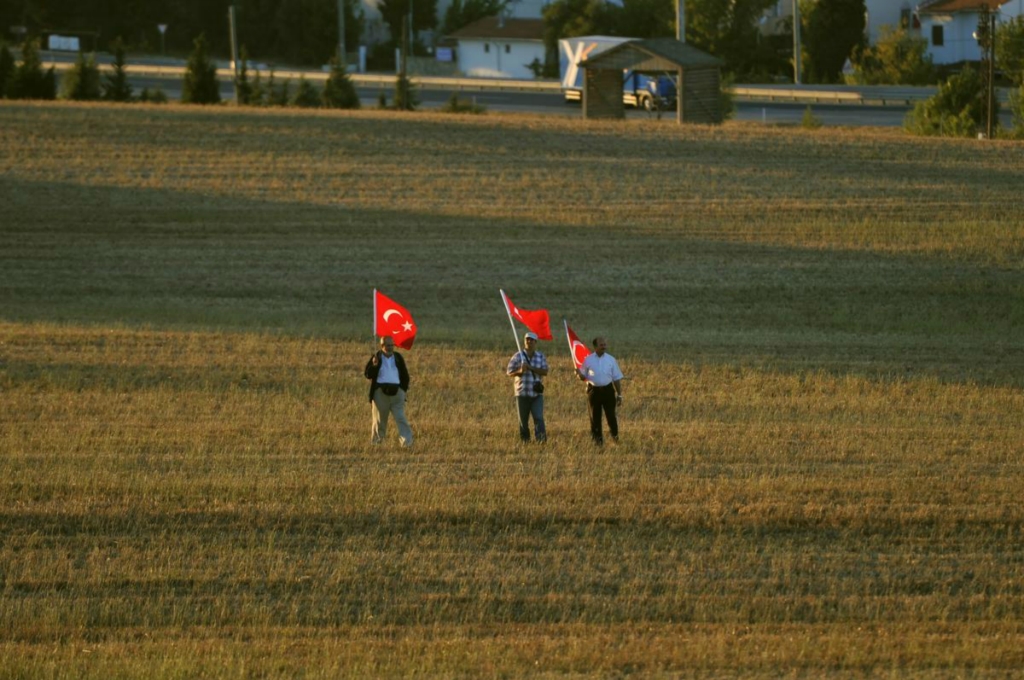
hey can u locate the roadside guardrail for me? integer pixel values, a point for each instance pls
(877, 95)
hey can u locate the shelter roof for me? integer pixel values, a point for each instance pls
(652, 54)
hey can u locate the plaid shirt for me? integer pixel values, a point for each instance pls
(526, 381)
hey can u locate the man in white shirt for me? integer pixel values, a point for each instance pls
(389, 382)
(601, 372)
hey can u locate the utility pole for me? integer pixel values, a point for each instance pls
(341, 34)
(234, 49)
(991, 74)
(681, 21)
(796, 42)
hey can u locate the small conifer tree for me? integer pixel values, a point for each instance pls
(82, 81)
(279, 95)
(306, 96)
(242, 84)
(200, 85)
(258, 96)
(116, 87)
(28, 80)
(339, 92)
(6, 69)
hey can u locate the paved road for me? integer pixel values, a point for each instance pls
(554, 105)
(548, 103)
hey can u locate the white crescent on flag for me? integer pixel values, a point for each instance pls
(387, 314)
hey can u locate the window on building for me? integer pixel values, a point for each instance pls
(938, 39)
(487, 47)
(905, 17)
(508, 49)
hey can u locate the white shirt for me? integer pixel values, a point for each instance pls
(601, 370)
(388, 373)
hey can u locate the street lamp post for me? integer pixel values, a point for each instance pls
(796, 42)
(163, 29)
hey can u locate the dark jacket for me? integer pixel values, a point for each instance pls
(371, 372)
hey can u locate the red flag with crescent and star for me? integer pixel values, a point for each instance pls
(391, 318)
(577, 349)
(536, 320)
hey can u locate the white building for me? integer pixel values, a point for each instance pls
(950, 26)
(499, 47)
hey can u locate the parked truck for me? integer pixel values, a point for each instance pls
(638, 89)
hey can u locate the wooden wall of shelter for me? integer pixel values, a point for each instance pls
(697, 74)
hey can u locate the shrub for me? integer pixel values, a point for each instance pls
(405, 94)
(28, 80)
(200, 84)
(156, 96)
(725, 98)
(810, 121)
(306, 96)
(897, 58)
(116, 87)
(82, 81)
(339, 92)
(1017, 112)
(956, 110)
(456, 105)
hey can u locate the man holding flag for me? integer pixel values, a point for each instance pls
(601, 372)
(528, 366)
(386, 370)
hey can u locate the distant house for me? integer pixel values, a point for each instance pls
(500, 47)
(950, 25)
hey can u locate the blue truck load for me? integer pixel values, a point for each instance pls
(638, 89)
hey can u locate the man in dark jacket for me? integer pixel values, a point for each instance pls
(389, 382)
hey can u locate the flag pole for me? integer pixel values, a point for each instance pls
(508, 311)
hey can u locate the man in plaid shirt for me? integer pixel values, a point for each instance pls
(528, 367)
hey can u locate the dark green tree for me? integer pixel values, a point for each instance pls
(7, 68)
(116, 87)
(464, 12)
(729, 30)
(29, 81)
(424, 15)
(832, 31)
(82, 81)
(200, 84)
(339, 92)
(1010, 49)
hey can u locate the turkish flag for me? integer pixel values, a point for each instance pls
(578, 350)
(391, 318)
(536, 320)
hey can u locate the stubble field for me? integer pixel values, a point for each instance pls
(821, 460)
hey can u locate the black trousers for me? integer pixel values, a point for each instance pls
(602, 399)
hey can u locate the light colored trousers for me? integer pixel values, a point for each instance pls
(382, 406)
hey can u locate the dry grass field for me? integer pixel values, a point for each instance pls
(821, 465)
